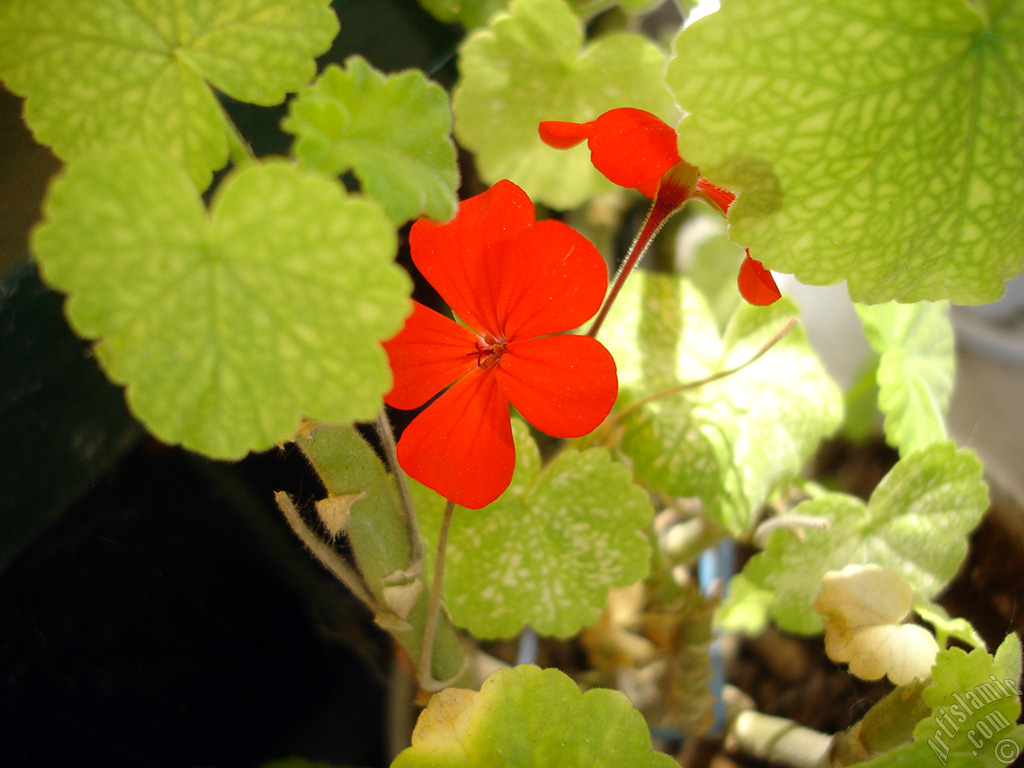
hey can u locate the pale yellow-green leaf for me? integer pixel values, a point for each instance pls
(96, 73)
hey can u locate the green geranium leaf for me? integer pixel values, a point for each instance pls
(1008, 660)
(630, 6)
(915, 369)
(710, 441)
(915, 524)
(476, 13)
(863, 419)
(469, 13)
(547, 551)
(394, 132)
(874, 143)
(745, 607)
(945, 626)
(919, 754)
(530, 65)
(639, 6)
(527, 716)
(228, 327)
(105, 71)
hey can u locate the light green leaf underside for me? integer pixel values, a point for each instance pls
(547, 551)
(915, 524)
(394, 132)
(226, 328)
(731, 441)
(530, 65)
(526, 716)
(102, 72)
(915, 369)
(874, 143)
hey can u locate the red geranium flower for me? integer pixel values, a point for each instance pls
(636, 149)
(518, 285)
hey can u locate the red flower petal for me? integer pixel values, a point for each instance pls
(459, 258)
(552, 279)
(722, 198)
(563, 135)
(756, 283)
(461, 445)
(633, 148)
(429, 353)
(563, 385)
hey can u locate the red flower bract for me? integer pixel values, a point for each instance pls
(634, 148)
(516, 284)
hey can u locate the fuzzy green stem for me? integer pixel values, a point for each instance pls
(434, 606)
(387, 439)
(677, 186)
(378, 532)
(885, 726)
(327, 557)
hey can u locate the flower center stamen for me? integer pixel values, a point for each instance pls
(489, 351)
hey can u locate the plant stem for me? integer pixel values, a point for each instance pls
(655, 220)
(677, 186)
(889, 723)
(760, 535)
(434, 606)
(330, 559)
(778, 740)
(387, 438)
(378, 534)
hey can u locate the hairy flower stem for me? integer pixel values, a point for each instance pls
(434, 607)
(677, 186)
